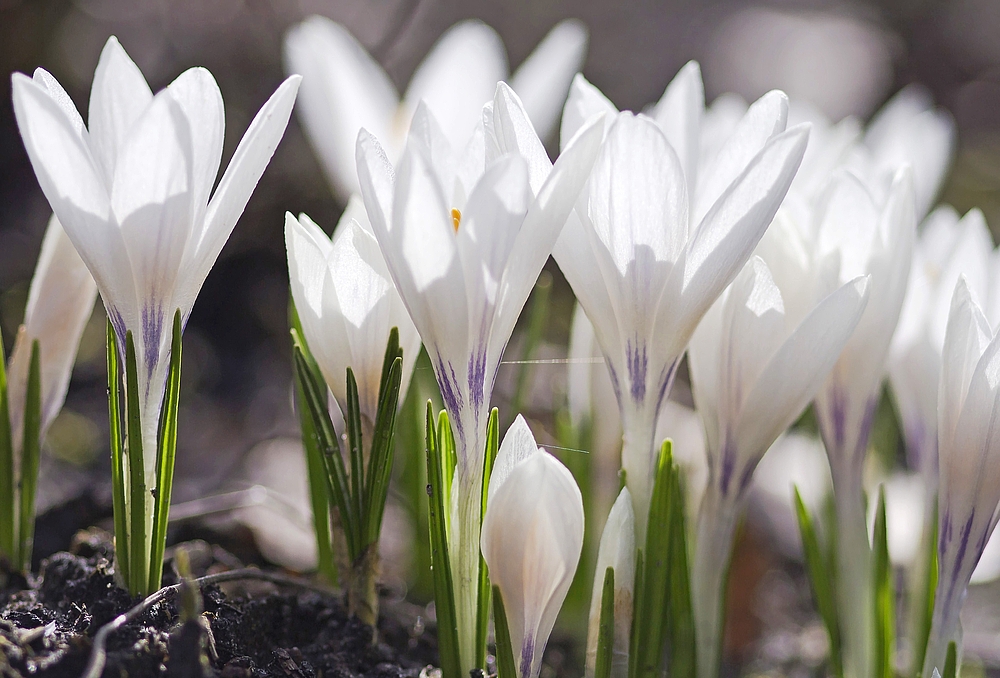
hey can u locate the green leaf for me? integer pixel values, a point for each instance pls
(444, 592)
(356, 445)
(639, 605)
(116, 419)
(606, 627)
(653, 611)
(165, 454)
(819, 578)
(506, 668)
(313, 391)
(30, 453)
(928, 594)
(7, 484)
(483, 601)
(383, 446)
(885, 598)
(951, 662)
(319, 495)
(683, 660)
(138, 553)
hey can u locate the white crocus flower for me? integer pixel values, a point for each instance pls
(347, 305)
(655, 239)
(969, 458)
(617, 551)
(754, 368)
(346, 90)
(60, 301)
(465, 241)
(531, 540)
(132, 191)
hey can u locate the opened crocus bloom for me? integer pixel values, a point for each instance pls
(755, 365)
(969, 458)
(531, 540)
(60, 301)
(345, 89)
(132, 191)
(465, 237)
(347, 305)
(657, 235)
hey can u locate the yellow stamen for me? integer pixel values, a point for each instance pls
(456, 218)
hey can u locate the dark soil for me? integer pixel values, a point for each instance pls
(251, 629)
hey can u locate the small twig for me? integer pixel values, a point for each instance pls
(98, 655)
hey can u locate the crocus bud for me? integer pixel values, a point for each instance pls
(532, 537)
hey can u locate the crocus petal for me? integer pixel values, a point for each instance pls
(584, 102)
(799, 367)
(510, 131)
(60, 301)
(518, 444)
(345, 89)
(765, 118)
(532, 536)
(678, 113)
(237, 184)
(59, 95)
(118, 97)
(543, 80)
(731, 229)
(458, 76)
(617, 551)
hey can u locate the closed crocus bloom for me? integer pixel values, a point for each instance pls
(346, 90)
(969, 458)
(132, 192)
(617, 551)
(531, 540)
(465, 240)
(60, 301)
(347, 305)
(656, 237)
(908, 130)
(754, 368)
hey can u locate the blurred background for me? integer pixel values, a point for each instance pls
(238, 431)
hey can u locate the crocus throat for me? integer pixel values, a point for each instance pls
(456, 218)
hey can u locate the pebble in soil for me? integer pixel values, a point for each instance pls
(246, 631)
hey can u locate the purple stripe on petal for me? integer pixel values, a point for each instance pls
(637, 359)
(728, 465)
(152, 328)
(477, 378)
(527, 654)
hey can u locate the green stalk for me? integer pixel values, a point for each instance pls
(606, 627)
(439, 499)
(30, 454)
(115, 420)
(356, 449)
(820, 579)
(885, 595)
(165, 455)
(483, 601)
(7, 485)
(138, 554)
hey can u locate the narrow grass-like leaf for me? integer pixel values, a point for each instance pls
(382, 450)
(652, 620)
(884, 599)
(165, 454)
(819, 578)
(951, 662)
(444, 592)
(448, 459)
(483, 604)
(532, 337)
(326, 442)
(356, 454)
(392, 351)
(606, 627)
(7, 484)
(116, 419)
(319, 493)
(639, 605)
(506, 668)
(31, 450)
(927, 595)
(138, 553)
(683, 655)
